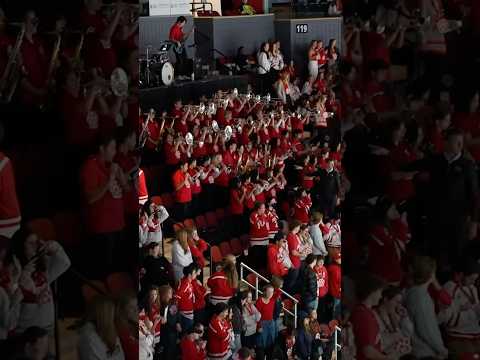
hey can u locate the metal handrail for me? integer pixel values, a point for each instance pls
(203, 5)
(337, 346)
(258, 291)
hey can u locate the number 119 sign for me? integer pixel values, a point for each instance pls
(302, 28)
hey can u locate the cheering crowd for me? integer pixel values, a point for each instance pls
(409, 223)
(272, 166)
(56, 69)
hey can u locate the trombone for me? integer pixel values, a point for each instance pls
(13, 71)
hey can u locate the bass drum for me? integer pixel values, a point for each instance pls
(167, 73)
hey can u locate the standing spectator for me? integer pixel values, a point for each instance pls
(192, 347)
(127, 325)
(185, 296)
(197, 247)
(363, 319)
(183, 191)
(322, 282)
(327, 190)
(427, 339)
(102, 183)
(98, 338)
(310, 285)
(42, 262)
(316, 234)
(220, 334)
(10, 217)
(157, 214)
(224, 283)
(158, 270)
(266, 329)
(259, 232)
(275, 256)
(34, 345)
(335, 284)
(181, 254)
(295, 255)
(170, 328)
(251, 317)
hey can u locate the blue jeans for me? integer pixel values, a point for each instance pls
(185, 323)
(337, 308)
(266, 338)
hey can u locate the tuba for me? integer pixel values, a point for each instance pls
(54, 59)
(119, 82)
(13, 72)
(189, 139)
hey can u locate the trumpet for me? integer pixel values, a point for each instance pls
(12, 73)
(118, 82)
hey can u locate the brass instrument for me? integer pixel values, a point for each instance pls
(12, 73)
(53, 60)
(78, 50)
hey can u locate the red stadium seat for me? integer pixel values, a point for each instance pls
(189, 223)
(119, 282)
(211, 219)
(69, 228)
(225, 249)
(157, 200)
(245, 241)
(236, 246)
(168, 200)
(201, 222)
(44, 228)
(89, 293)
(216, 254)
(220, 214)
(251, 279)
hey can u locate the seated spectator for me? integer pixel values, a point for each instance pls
(246, 8)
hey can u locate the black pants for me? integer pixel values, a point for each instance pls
(104, 254)
(181, 64)
(257, 257)
(182, 211)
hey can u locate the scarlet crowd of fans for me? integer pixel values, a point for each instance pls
(409, 223)
(273, 166)
(68, 81)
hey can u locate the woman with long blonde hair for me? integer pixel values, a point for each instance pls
(223, 284)
(181, 254)
(98, 338)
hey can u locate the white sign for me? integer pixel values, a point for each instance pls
(169, 7)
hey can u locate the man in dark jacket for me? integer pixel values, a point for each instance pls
(327, 189)
(310, 285)
(452, 199)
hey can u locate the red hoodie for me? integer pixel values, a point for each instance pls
(197, 251)
(275, 264)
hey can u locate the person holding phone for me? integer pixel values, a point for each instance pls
(42, 263)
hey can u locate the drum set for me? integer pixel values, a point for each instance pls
(155, 67)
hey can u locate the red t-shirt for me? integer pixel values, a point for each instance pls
(107, 214)
(176, 33)
(366, 330)
(81, 128)
(266, 310)
(184, 194)
(35, 64)
(294, 245)
(236, 207)
(9, 208)
(103, 56)
(93, 22)
(335, 280)
(128, 163)
(129, 344)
